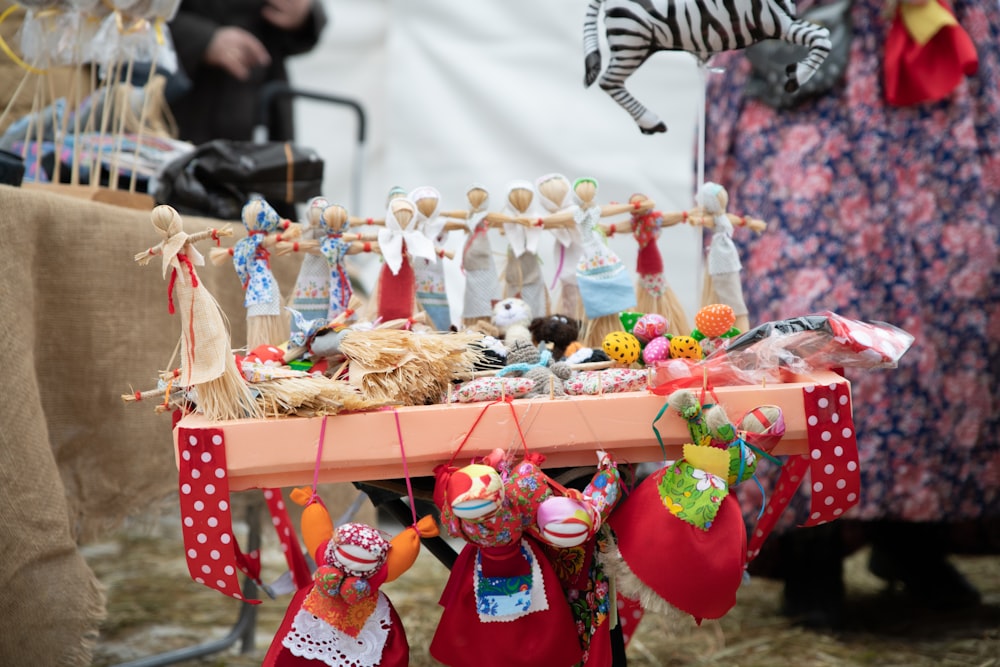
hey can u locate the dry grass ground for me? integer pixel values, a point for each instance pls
(153, 606)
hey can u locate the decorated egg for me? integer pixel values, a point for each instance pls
(628, 320)
(685, 347)
(622, 347)
(715, 320)
(564, 522)
(649, 326)
(657, 349)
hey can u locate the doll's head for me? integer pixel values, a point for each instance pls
(523, 352)
(520, 195)
(478, 197)
(713, 198)
(512, 313)
(553, 191)
(584, 191)
(314, 212)
(565, 522)
(426, 199)
(334, 219)
(259, 216)
(475, 492)
(357, 549)
(403, 211)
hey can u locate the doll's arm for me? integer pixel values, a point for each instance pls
(317, 527)
(310, 246)
(754, 224)
(406, 546)
(636, 207)
(366, 221)
(362, 246)
(461, 215)
(612, 228)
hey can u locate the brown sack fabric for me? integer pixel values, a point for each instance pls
(81, 324)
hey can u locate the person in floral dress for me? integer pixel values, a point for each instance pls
(884, 212)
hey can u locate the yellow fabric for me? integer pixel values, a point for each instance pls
(925, 21)
(708, 458)
(406, 546)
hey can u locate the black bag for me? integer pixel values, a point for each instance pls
(770, 57)
(217, 178)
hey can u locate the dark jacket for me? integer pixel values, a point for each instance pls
(218, 106)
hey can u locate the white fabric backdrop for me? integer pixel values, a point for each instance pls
(487, 92)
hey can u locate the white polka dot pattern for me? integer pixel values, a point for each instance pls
(209, 546)
(832, 463)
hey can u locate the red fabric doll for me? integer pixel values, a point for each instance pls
(503, 604)
(342, 619)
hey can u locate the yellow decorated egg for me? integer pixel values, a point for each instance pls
(685, 347)
(621, 346)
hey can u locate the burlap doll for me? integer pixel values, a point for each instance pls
(522, 275)
(342, 619)
(207, 364)
(555, 194)
(311, 294)
(503, 603)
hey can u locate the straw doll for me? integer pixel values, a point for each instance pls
(523, 273)
(207, 363)
(331, 247)
(605, 286)
(432, 295)
(399, 240)
(343, 619)
(503, 602)
(555, 195)
(252, 260)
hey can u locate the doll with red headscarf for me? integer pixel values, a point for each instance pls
(343, 619)
(503, 603)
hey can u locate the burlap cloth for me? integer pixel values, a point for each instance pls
(81, 324)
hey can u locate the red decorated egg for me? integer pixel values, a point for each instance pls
(649, 326)
(622, 347)
(715, 319)
(657, 349)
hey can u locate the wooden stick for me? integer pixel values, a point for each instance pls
(118, 129)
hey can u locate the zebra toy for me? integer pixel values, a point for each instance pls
(636, 29)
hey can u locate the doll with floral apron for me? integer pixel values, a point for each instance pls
(342, 619)
(571, 526)
(311, 294)
(503, 603)
(432, 294)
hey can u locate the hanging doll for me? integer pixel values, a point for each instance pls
(331, 245)
(432, 294)
(207, 364)
(252, 260)
(311, 294)
(481, 279)
(722, 282)
(503, 604)
(342, 619)
(555, 195)
(605, 286)
(572, 527)
(685, 510)
(523, 273)
(399, 240)
(652, 291)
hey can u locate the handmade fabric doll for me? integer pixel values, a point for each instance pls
(571, 526)
(311, 294)
(432, 295)
(722, 284)
(555, 194)
(556, 332)
(335, 244)
(252, 261)
(523, 273)
(342, 619)
(685, 510)
(206, 359)
(526, 360)
(503, 604)
(398, 240)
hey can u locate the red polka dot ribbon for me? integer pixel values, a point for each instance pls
(832, 463)
(286, 535)
(213, 557)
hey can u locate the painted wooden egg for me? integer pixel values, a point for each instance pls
(621, 346)
(715, 320)
(649, 326)
(657, 349)
(685, 347)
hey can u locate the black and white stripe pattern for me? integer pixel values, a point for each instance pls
(636, 29)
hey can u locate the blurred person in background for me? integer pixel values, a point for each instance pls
(883, 198)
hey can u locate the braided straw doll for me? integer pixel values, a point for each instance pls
(207, 363)
(523, 273)
(555, 195)
(311, 294)
(722, 282)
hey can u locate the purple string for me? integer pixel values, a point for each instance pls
(406, 470)
(562, 258)
(319, 458)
